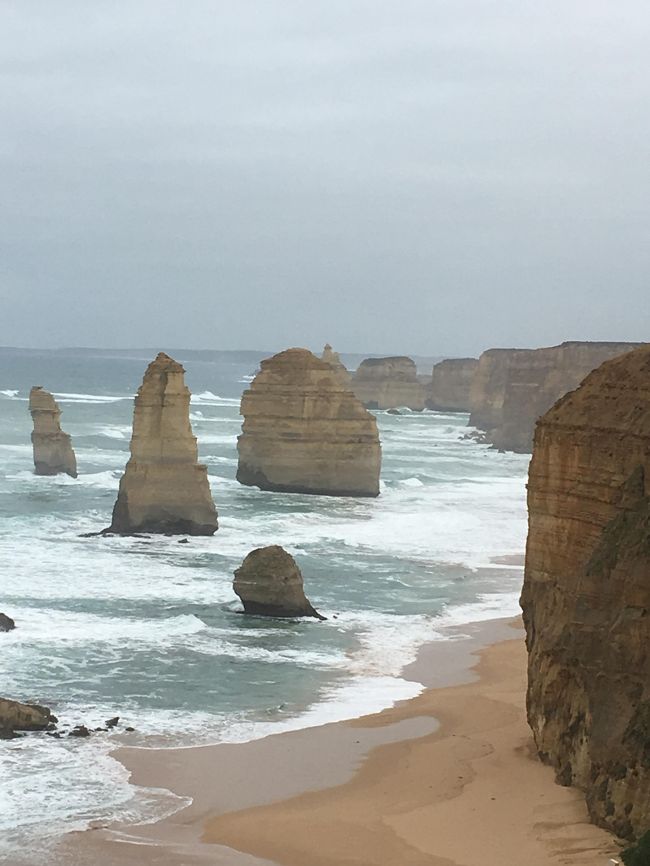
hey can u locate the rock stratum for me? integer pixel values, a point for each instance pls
(305, 432)
(164, 488)
(53, 452)
(269, 583)
(388, 383)
(512, 388)
(586, 594)
(451, 384)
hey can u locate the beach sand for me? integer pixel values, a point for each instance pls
(446, 779)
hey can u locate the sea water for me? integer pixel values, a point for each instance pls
(150, 630)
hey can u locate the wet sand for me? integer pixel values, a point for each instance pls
(446, 778)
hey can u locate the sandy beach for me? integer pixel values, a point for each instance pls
(449, 777)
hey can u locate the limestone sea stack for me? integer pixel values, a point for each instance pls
(586, 595)
(164, 488)
(512, 388)
(269, 583)
(388, 383)
(53, 453)
(305, 432)
(332, 358)
(451, 384)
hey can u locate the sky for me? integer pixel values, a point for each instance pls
(412, 177)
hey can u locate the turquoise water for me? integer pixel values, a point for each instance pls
(150, 630)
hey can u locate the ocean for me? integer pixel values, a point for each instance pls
(150, 630)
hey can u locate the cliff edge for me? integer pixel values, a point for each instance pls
(586, 594)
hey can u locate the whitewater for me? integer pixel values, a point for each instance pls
(149, 629)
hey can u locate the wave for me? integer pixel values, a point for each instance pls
(66, 397)
(208, 398)
(10, 392)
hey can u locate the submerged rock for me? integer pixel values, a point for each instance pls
(305, 432)
(269, 583)
(586, 594)
(53, 452)
(6, 623)
(164, 488)
(386, 383)
(15, 716)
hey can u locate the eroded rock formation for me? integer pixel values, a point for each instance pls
(15, 716)
(388, 383)
(512, 388)
(164, 489)
(305, 432)
(6, 623)
(451, 383)
(269, 583)
(53, 453)
(586, 595)
(332, 358)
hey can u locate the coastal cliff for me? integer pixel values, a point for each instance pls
(388, 383)
(512, 388)
(53, 452)
(305, 432)
(451, 384)
(164, 488)
(586, 595)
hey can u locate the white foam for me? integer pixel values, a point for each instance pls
(10, 392)
(210, 399)
(65, 397)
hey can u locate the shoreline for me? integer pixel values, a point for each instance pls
(307, 772)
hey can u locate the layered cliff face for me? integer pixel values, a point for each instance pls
(586, 595)
(332, 358)
(269, 583)
(451, 384)
(512, 388)
(305, 432)
(53, 453)
(164, 488)
(387, 383)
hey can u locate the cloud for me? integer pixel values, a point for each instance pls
(425, 177)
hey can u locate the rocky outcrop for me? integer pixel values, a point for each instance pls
(332, 358)
(15, 716)
(305, 432)
(512, 388)
(388, 383)
(164, 489)
(451, 383)
(6, 623)
(269, 583)
(53, 453)
(586, 595)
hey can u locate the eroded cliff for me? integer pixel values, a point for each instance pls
(388, 383)
(586, 595)
(305, 432)
(512, 388)
(164, 488)
(451, 384)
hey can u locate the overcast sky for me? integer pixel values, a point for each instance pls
(412, 176)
